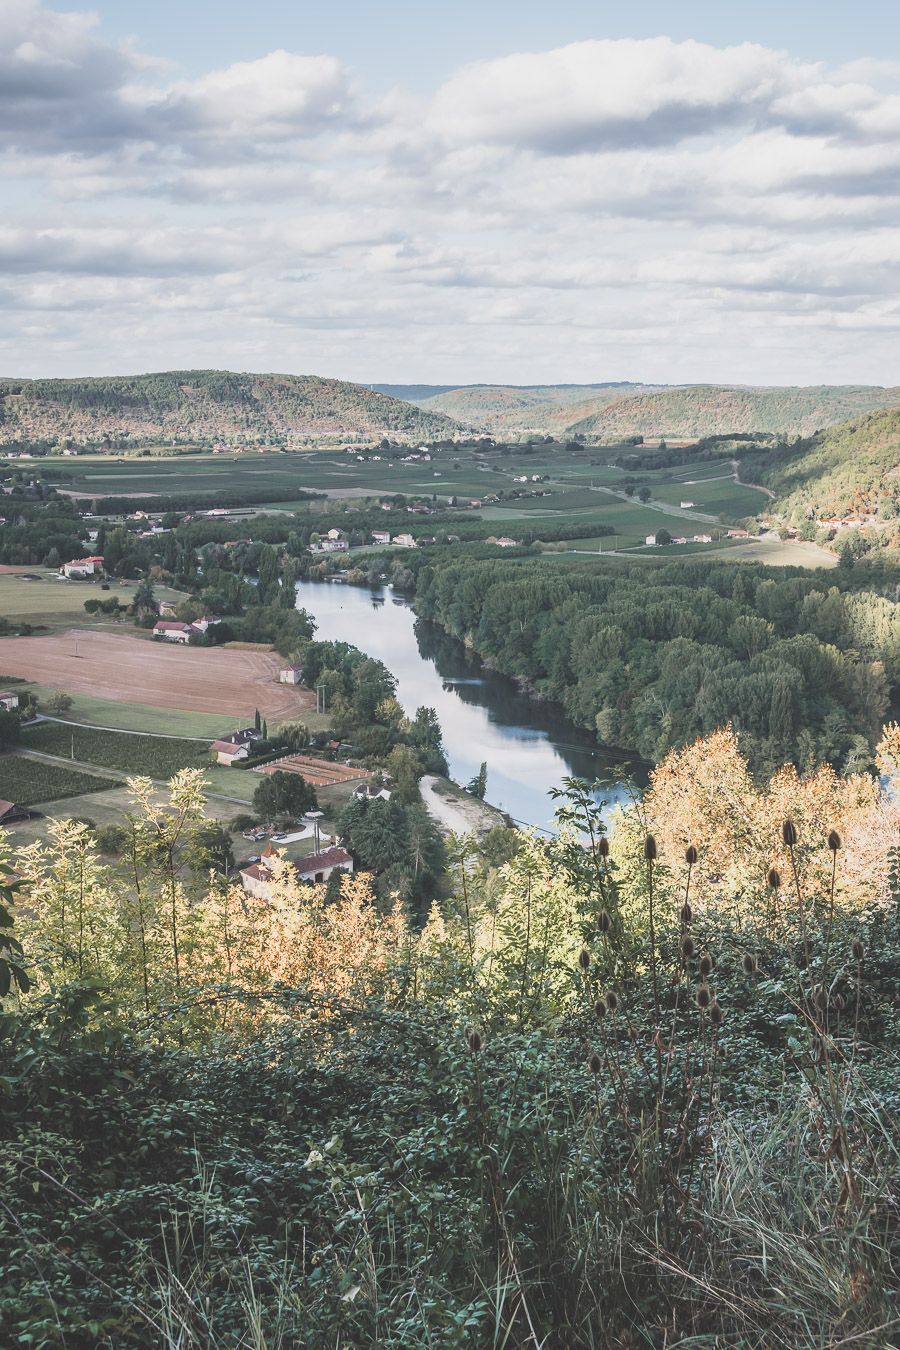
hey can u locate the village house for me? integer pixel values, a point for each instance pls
(339, 536)
(204, 622)
(650, 540)
(371, 792)
(404, 541)
(381, 536)
(83, 567)
(172, 630)
(505, 542)
(702, 538)
(9, 702)
(327, 545)
(256, 878)
(227, 753)
(236, 745)
(291, 675)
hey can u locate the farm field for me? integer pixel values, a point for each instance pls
(139, 670)
(37, 596)
(115, 715)
(29, 781)
(151, 756)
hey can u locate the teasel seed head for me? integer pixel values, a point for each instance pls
(604, 922)
(603, 846)
(789, 833)
(706, 964)
(690, 855)
(600, 1008)
(716, 1015)
(612, 1000)
(650, 848)
(686, 913)
(704, 996)
(834, 841)
(749, 964)
(840, 1003)
(857, 949)
(773, 877)
(584, 958)
(474, 1039)
(595, 1064)
(687, 948)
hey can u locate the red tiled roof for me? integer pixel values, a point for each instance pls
(316, 862)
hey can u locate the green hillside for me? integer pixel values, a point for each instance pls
(201, 406)
(850, 469)
(715, 410)
(510, 409)
(617, 410)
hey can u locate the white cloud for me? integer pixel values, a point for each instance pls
(645, 209)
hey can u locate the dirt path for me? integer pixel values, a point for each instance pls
(130, 669)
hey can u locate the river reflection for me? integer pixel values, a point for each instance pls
(529, 746)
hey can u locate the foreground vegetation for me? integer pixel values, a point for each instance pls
(614, 1095)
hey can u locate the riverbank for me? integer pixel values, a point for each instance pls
(456, 811)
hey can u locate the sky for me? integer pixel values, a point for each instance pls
(455, 193)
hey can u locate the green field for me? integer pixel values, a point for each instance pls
(129, 753)
(40, 597)
(28, 781)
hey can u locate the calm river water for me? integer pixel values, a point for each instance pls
(529, 747)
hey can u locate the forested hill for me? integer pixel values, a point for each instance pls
(614, 411)
(204, 406)
(850, 469)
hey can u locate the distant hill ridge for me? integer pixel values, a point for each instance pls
(614, 411)
(204, 406)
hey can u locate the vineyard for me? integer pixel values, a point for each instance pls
(153, 756)
(27, 781)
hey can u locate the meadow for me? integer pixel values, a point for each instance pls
(40, 597)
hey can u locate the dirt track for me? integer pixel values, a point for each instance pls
(141, 670)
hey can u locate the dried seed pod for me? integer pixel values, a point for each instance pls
(834, 841)
(584, 958)
(773, 877)
(706, 964)
(686, 913)
(857, 949)
(612, 1000)
(650, 848)
(474, 1039)
(604, 922)
(603, 846)
(704, 996)
(594, 1062)
(687, 948)
(820, 997)
(690, 855)
(789, 833)
(749, 964)
(840, 1003)
(716, 1015)
(600, 1008)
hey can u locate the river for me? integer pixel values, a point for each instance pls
(529, 746)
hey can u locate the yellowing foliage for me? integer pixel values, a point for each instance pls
(704, 795)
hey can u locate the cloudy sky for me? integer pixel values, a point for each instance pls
(493, 191)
